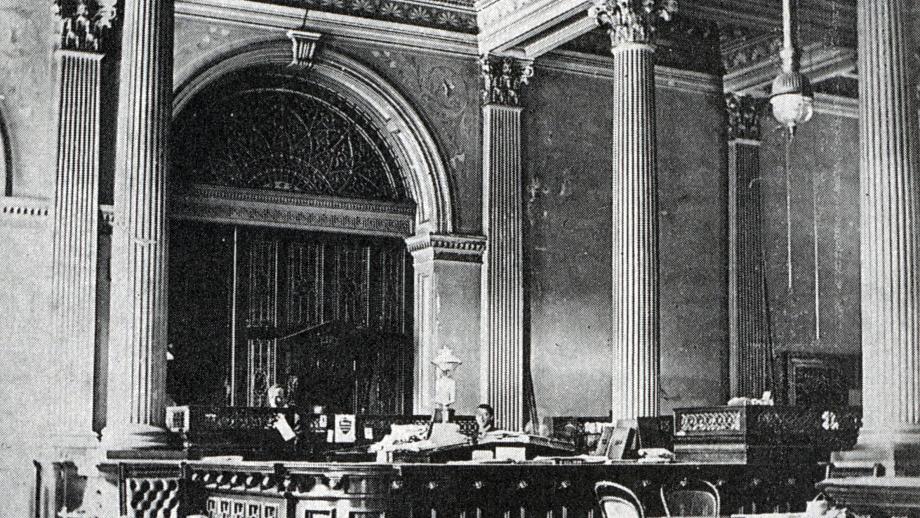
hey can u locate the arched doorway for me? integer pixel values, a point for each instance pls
(287, 260)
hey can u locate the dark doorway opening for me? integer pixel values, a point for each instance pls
(329, 316)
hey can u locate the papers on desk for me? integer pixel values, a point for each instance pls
(281, 424)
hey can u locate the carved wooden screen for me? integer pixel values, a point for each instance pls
(325, 316)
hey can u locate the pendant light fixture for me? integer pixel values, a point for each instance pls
(791, 96)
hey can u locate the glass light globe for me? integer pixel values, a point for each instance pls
(792, 109)
(791, 99)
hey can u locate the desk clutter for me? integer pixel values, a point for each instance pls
(750, 434)
(204, 431)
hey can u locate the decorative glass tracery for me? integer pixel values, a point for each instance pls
(284, 134)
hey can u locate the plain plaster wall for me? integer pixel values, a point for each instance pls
(567, 127)
(824, 161)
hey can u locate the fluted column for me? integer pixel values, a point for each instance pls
(635, 320)
(137, 354)
(84, 39)
(750, 356)
(888, 226)
(502, 383)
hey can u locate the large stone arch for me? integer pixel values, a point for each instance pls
(447, 266)
(420, 161)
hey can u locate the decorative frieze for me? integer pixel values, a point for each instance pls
(273, 208)
(89, 25)
(751, 51)
(440, 15)
(743, 116)
(448, 247)
(503, 79)
(632, 21)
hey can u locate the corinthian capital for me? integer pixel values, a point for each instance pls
(631, 21)
(503, 78)
(743, 116)
(86, 24)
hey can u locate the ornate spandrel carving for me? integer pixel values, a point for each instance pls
(503, 79)
(89, 25)
(632, 21)
(743, 116)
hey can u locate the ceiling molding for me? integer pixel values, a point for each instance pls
(819, 62)
(826, 104)
(602, 67)
(337, 26)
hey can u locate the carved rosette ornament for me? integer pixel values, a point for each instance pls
(632, 21)
(743, 116)
(503, 78)
(89, 25)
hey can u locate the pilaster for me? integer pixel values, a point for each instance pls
(750, 355)
(137, 352)
(635, 317)
(503, 352)
(85, 37)
(448, 270)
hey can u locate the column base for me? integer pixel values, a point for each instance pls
(135, 437)
(80, 441)
(874, 460)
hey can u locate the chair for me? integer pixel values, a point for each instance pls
(617, 501)
(690, 497)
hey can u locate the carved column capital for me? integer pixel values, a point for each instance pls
(503, 78)
(743, 116)
(631, 21)
(89, 25)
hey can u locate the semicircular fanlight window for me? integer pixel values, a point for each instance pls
(304, 140)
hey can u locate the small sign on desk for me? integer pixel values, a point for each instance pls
(345, 428)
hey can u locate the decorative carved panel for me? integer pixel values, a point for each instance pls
(226, 506)
(279, 132)
(159, 497)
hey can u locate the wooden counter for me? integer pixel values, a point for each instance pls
(363, 490)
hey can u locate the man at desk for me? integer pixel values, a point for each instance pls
(289, 430)
(485, 419)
